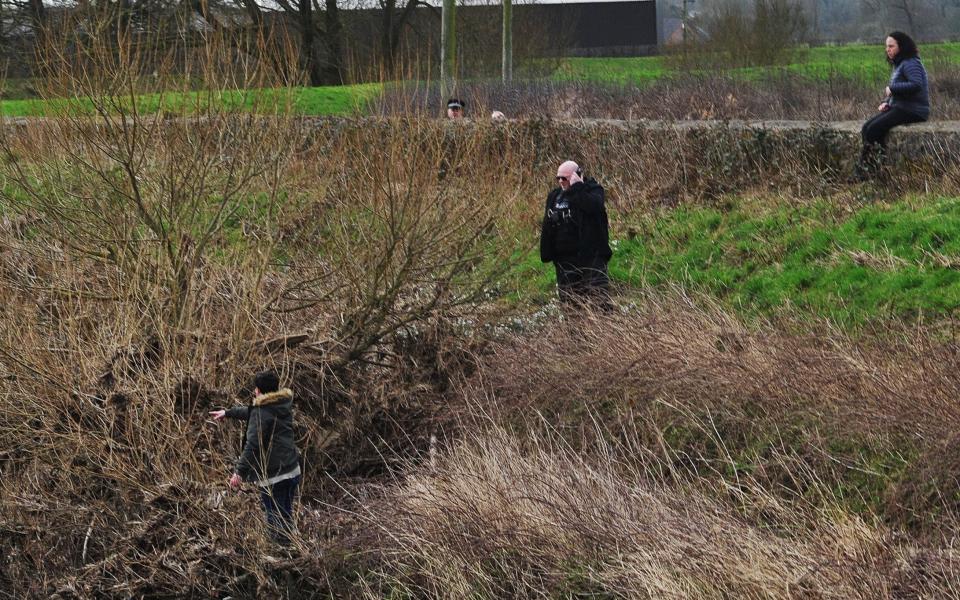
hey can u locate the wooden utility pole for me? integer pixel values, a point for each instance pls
(448, 46)
(507, 41)
(815, 17)
(683, 27)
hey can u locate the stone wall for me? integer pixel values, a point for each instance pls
(657, 162)
(670, 162)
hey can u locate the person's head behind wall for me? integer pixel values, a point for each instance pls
(266, 381)
(568, 173)
(498, 116)
(455, 108)
(900, 46)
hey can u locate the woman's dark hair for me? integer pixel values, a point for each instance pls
(908, 47)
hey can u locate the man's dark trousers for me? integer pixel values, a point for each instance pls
(578, 283)
(277, 502)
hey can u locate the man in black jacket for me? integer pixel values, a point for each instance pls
(575, 236)
(269, 457)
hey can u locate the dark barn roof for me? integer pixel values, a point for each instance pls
(603, 28)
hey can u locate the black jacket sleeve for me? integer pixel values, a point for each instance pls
(238, 412)
(546, 232)
(587, 197)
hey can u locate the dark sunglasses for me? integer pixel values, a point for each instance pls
(561, 178)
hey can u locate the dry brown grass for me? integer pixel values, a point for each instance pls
(148, 266)
(671, 451)
(873, 417)
(151, 264)
(111, 475)
(675, 351)
(524, 517)
(775, 96)
(112, 480)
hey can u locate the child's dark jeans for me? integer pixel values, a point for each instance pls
(277, 502)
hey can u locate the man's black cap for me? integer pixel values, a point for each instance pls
(454, 103)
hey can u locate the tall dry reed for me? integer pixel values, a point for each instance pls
(502, 515)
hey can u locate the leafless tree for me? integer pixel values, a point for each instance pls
(396, 15)
(909, 9)
(764, 32)
(321, 68)
(142, 193)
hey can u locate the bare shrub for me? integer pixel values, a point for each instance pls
(148, 194)
(151, 262)
(411, 233)
(112, 480)
(661, 366)
(736, 34)
(109, 471)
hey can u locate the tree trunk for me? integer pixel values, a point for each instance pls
(907, 9)
(332, 71)
(507, 67)
(386, 38)
(448, 46)
(393, 25)
(124, 13)
(308, 43)
(38, 19)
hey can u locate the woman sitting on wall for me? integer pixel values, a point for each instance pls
(906, 101)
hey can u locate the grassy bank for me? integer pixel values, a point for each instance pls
(318, 101)
(760, 257)
(855, 61)
(898, 260)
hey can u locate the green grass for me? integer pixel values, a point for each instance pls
(317, 101)
(860, 62)
(633, 70)
(529, 280)
(900, 260)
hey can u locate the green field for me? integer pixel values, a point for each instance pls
(330, 100)
(861, 62)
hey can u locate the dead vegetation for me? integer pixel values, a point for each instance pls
(149, 265)
(503, 516)
(674, 356)
(707, 94)
(671, 451)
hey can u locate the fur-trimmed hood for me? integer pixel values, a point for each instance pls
(273, 397)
